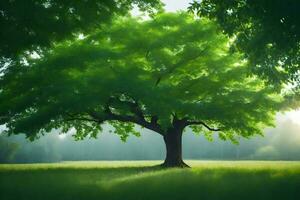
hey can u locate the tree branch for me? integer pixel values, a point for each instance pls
(82, 119)
(73, 117)
(3, 117)
(188, 123)
(137, 118)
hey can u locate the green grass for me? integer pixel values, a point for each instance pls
(140, 180)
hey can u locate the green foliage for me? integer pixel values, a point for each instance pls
(124, 129)
(34, 24)
(157, 73)
(267, 31)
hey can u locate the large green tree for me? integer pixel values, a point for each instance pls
(267, 31)
(28, 25)
(163, 74)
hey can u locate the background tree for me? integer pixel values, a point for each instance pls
(162, 74)
(267, 31)
(34, 24)
(8, 150)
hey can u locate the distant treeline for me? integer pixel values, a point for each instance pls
(282, 143)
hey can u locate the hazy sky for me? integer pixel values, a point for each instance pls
(174, 5)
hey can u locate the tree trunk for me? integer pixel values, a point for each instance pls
(173, 141)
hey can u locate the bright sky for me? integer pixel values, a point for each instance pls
(175, 5)
(294, 116)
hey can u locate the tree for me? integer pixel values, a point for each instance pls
(267, 31)
(163, 74)
(33, 24)
(8, 150)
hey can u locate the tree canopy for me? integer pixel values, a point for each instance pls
(163, 74)
(170, 66)
(32, 24)
(267, 31)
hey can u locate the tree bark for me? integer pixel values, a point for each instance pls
(173, 142)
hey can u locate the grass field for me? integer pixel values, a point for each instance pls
(140, 180)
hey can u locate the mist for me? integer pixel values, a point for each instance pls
(279, 143)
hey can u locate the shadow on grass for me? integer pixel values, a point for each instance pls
(63, 183)
(150, 183)
(208, 184)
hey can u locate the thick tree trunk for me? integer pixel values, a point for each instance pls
(173, 141)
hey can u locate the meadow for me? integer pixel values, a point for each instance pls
(137, 180)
